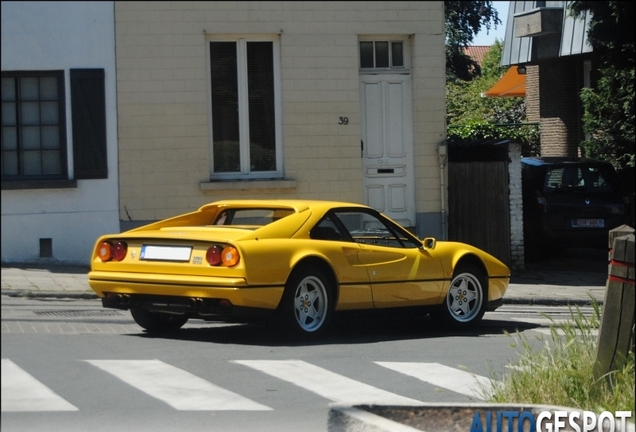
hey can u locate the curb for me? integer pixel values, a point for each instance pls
(56, 294)
(511, 301)
(550, 302)
(442, 417)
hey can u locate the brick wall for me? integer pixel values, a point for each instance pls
(560, 112)
(533, 101)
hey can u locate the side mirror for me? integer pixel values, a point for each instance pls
(429, 243)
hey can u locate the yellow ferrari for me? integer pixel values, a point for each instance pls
(294, 262)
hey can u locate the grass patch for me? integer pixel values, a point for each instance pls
(560, 371)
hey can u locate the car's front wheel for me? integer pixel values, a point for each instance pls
(157, 322)
(307, 302)
(466, 300)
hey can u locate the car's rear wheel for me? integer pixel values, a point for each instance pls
(307, 302)
(466, 300)
(157, 322)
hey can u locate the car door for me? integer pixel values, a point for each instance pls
(400, 271)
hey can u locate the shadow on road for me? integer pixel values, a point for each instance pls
(571, 259)
(589, 263)
(343, 331)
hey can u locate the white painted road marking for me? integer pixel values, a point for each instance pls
(22, 392)
(327, 384)
(442, 376)
(176, 387)
(182, 390)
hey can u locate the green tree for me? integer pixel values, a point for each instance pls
(462, 21)
(465, 101)
(608, 105)
(491, 65)
(471, 116)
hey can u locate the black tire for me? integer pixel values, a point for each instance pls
(467, 298)
(307, 304)
(157, 322)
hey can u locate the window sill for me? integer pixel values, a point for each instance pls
(38, 184)
(247, 185)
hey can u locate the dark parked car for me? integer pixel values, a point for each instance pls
(570, 202)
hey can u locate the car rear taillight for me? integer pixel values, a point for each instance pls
(218, 255)
(108, 251)
(230, 256)
(119, 250)
(105, 251)
(213, 255)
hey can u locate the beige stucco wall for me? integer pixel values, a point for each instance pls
(163, 98)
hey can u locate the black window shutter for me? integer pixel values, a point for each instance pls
(88, 106)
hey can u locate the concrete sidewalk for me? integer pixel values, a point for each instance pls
(544, 285)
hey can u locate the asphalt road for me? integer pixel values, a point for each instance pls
(69, 365)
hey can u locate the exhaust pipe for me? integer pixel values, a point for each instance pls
(196, 303)
(119, 301)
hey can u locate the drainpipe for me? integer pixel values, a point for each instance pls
(443, 159)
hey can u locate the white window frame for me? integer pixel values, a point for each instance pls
(406, 53)
(245, 172)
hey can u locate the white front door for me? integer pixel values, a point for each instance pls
(387, 145)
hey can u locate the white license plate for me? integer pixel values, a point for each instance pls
(588, 223)
(165, 253)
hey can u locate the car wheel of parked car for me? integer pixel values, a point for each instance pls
(307, 303)
(465, 303)
(157, 322)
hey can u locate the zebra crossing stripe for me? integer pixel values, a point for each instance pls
(176, 387)
(185, 391)
(442, 376)
(22, 392)
(327, 384)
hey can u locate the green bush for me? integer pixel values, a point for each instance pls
(526, 134)
(561, 371)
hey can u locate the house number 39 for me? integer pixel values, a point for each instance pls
(343, 120)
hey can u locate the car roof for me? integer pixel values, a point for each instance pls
(557, 161)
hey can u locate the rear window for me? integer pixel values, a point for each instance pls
(580, 178)
(255, 217)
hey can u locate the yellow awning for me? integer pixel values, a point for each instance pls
(511, 84)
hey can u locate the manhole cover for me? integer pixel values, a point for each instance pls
(80, 313)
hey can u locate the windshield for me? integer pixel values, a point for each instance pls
(589, 179)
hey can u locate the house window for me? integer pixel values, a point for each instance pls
(382, 55)
(33, 125)
(34, 137)
(245, 101)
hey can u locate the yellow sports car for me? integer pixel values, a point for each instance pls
(296, 262)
